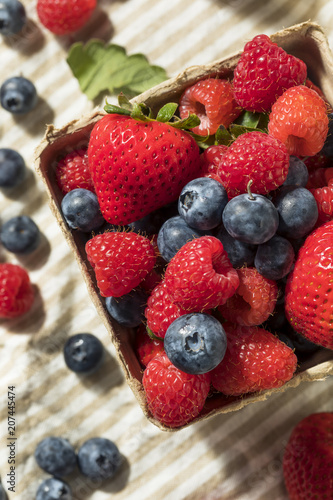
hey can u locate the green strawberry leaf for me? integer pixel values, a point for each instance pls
(106, 68)
(223, 136)
(166, 112)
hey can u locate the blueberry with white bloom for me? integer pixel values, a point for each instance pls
(12, 168)
(201, 203)
(99, 458)
(81, 210)
(18, 95)
(20, 235)
(53, 489)
(195, 343)
(12, 17)
(83, 353)
(56, 456)
(298, 174)
(128, 309)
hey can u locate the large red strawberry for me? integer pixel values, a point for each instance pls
(139, 166)
(309, 290)
(308, 458)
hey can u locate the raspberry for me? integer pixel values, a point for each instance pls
(16, 292)
(210, 160)
(312, 86)
(255, 360)
(264, 71)
(146, 347)
(254, 300)
(200, 276)
(324, 199)
(161, 310)
(73, 172)
(317, 161)
(64, 16)
(254, 156)
(212, 100)
(174, 397)
(299, 119)
(120, 260)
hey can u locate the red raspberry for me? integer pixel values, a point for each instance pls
(308, 458)
(200, 276)
(264, 71)
(316, 161)
(64, 16)
(324, 199)
(120, 260)
(254, 156)
(254, 300)
(316, 179)
(255, 360)
(174, 398)
(73, 172)
(299, 119)
(312, 86)
(212, 100)
(210, 160)
(161, 310)
(16, 292)
(146, 347)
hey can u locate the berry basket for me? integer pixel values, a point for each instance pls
(306, 41)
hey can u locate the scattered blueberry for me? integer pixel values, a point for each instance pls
(251, 218)
(12, 17)
(274, 258)
(298, 174)
(20, 235)
(81, 211)
(195, 343)
(128, 309)
(173, 234)
(148, 225)
(18, 95)
(12, 168)
(201, 203)
(56, 456)
(239, 252)
(83, 353)
(99, 458)
(298, 211)
(3, 495)
(54, 489)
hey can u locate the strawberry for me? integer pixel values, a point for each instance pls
(139, 166)
(308, 458)
(309, 289)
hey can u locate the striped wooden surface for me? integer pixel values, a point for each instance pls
(237, 456)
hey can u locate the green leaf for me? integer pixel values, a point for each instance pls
(187, 123)
(223, 136)
(106, 68)
(166, 112)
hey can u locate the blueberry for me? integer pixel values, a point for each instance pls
(99, 458)
(201, 203)
(12, 168)
(298, 174)
(12, 17)
(54, 489)
(195, 343)
(149, 225)
(274, 259)
(173, 234)
(128, 309)
(3, 495)
(83, 353)
(251, 218)
(20, 235)
(56, 456)
(18, 95)
(298, 211)
(239, 252)
(81, 210)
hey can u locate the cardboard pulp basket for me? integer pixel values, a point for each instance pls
(306, 41)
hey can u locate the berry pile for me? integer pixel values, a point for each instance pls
(210, 232)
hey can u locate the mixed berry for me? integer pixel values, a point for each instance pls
(211, 223)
